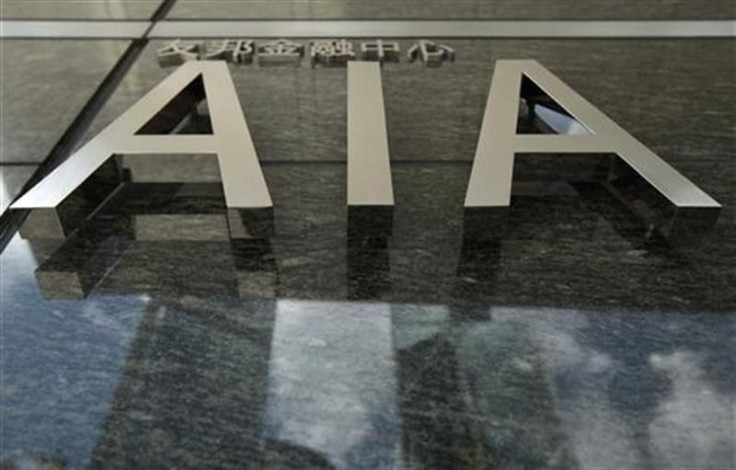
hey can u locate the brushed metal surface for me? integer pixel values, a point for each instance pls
(445, 29)
(369, 166)
(498, 143)
(242, 179)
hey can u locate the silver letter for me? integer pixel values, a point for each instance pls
(490, 180)
(242, 179)
(369, 168)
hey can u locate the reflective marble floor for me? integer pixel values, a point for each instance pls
(171, 376)
(572, 338)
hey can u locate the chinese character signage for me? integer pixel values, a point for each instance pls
(322, 52)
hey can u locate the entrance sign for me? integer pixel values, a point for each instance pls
(498, 143)
(588, 131)
(369, 168)
(243, 183)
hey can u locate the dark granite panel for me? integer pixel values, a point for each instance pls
(78, 9)
(577, 247)
(194, 389)
(566, 337)
(61, 362)
(45, 83)
(435, 113)
(173, 379)
(12, 179)
(433, 117)
(305, 108)
(458, 9)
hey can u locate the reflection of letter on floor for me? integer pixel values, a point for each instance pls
(332, 386)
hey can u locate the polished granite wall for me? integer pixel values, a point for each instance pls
(571, 338)
(46, 83)
(376, 9)
(35, 112)
(297, 120)
(459, 9)
(154, 380)
(78, 9)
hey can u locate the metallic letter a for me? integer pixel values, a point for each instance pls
(242, 179)
(637, 167)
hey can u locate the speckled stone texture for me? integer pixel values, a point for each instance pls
(433, 116)
(45, 84)
(568, 338)
(78, 9)
(458, 9)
